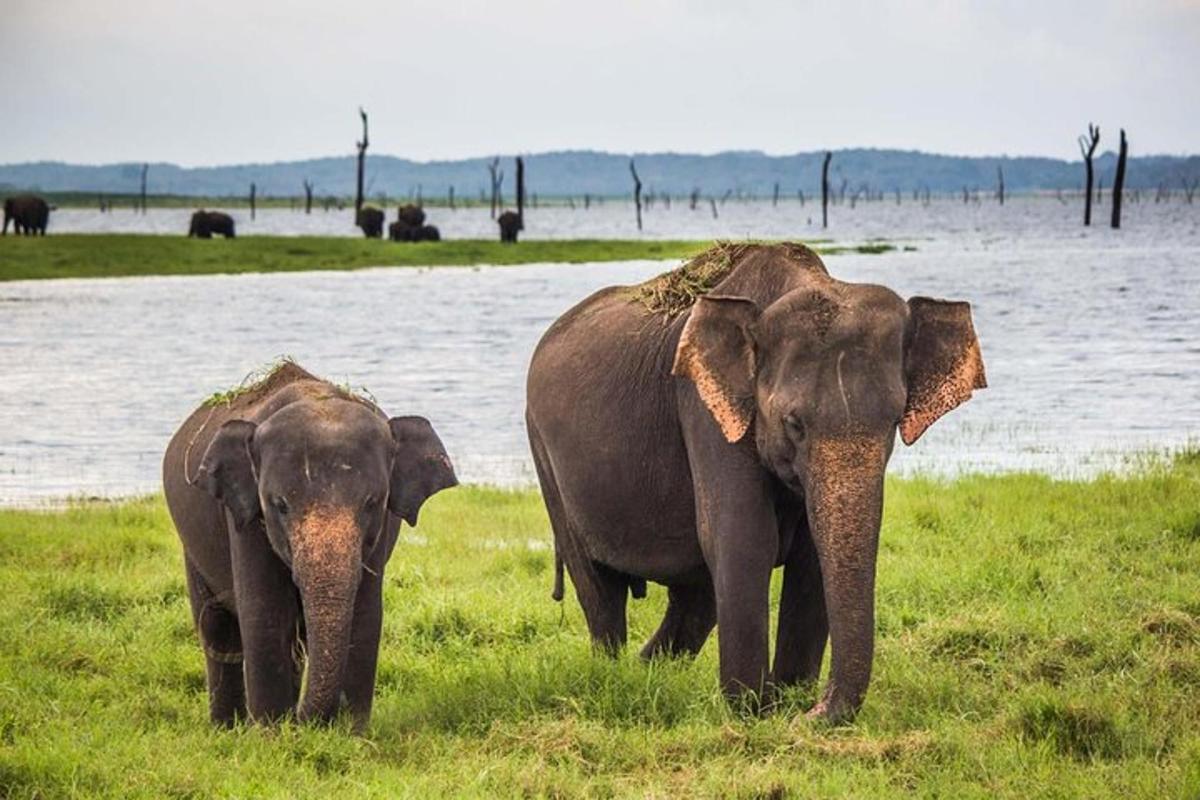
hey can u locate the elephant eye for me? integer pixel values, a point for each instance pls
(281, 504)
(794, 424)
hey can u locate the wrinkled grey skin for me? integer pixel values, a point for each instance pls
(29, 215)
(288, 501)
(749, 432)
(205, 223)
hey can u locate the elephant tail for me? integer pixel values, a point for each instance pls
(557, 592)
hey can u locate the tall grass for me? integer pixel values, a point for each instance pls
(1037, 638)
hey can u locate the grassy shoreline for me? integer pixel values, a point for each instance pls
(118, 255)
(1036, 638)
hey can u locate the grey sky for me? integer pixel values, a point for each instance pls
(225, 81)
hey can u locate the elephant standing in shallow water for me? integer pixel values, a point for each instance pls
(29, 215)
(205, 223)
(700, 443)
(288, 500)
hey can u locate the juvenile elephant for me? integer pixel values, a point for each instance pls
(510, 226)
(205, 223)
(29, 214)
(370, 220)
(700, 443)
(288, 501)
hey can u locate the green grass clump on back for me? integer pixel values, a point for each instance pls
(1036, 638)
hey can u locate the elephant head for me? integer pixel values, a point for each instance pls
(824, 376)
(318, 478)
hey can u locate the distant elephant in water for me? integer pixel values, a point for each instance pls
(702, 441)
(206, 223)
(288, 499)
(510, 226)
(409, 226)
(370, 219)
(29, 214)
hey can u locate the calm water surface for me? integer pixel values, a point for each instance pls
(1090, 338)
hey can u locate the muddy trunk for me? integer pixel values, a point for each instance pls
(328, 617)
(845, 503)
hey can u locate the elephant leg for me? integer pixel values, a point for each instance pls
(602, 592)
(738, 529)
(222, 643)
(364, 646)
(803, 623)
(691, 615)
(269, 618)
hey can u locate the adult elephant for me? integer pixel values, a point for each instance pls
(701, 442)
(370, 220)
(205, 223)
(510, 226)
(29, 214)
(288, 499)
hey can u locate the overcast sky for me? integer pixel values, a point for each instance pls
(223, 81)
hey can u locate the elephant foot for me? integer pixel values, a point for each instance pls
(834, 708)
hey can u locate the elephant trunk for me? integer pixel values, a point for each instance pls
(845, 506)
(328, 565)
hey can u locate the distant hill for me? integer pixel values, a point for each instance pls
(744, 173)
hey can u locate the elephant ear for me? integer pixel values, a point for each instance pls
(716, 352)
(943, 364)
(227, 471)
(421, 468)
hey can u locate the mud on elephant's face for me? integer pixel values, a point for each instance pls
(322, 475)
(817, 367)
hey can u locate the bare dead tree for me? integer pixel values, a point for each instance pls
(362, 163)
(145, 169)
(712, 202)
(775, 195)
(520, 193)
(253, 194)
(800, 197)
(1000, 184)
(1119, 181)
(637, 192)
(1189, 188)
(451, 195)
(587, 202)
(1087, 148)
(497, 176)
(695, 198)
(825, 189)
(308, 196)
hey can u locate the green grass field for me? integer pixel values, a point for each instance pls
(1037, 638)
(111, 255)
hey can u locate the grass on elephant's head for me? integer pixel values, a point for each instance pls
(1036, 638)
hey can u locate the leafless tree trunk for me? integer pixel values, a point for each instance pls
(253, 192)
(1087, 148)
(587, 202)
(497, 176)
(520, 193)
(637, 192)
(145, 169)
(452, 207)
(775, 196)
(695, 199)
(800, 197)
(1000, 184)
(713, 203)
(308, 193)
(825, 189)
(1189, 189)
(362, 163)
(1119, 182)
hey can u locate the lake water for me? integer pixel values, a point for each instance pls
(1091, 339)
